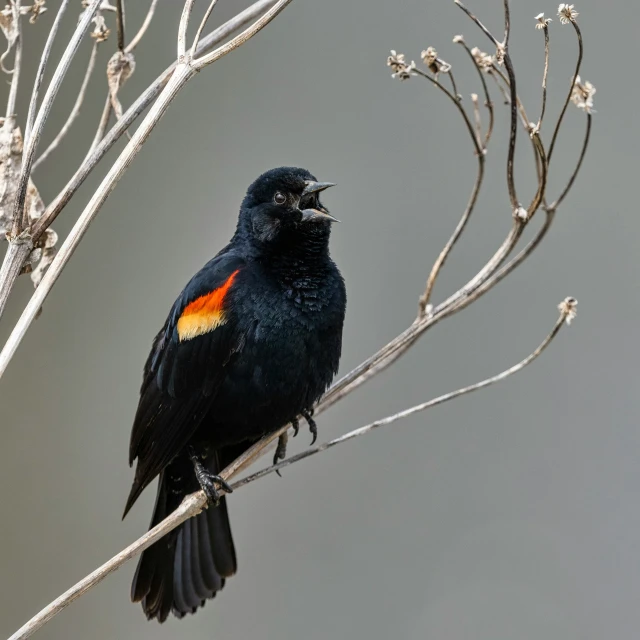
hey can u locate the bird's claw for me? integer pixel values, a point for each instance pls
(208, 480)
(281, 451)
(307, 415)
(295, 425)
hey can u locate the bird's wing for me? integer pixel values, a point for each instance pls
(185, 368)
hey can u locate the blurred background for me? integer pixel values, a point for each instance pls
(511, 513)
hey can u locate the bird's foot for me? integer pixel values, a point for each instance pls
(308, 416)
(281, 450)
(208, 480)
(295, 425)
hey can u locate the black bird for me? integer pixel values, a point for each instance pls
(251, 343)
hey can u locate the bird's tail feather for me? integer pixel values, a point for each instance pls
(189, 565)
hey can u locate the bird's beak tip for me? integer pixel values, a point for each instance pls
(315, 187)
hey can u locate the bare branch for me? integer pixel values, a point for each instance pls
(183, 72)
(143, 29)
(576, 73)
(120, 22)
(182, 29)
(544, 75)
(196, 502)
(136, 109)
(207, 15)
(240, 39)
(100, 131)
(554, 205)
(482, 27)
(487, 96)
(567, 313)
(32, 143)
(17, 60)
(44, 59)
(74, 112)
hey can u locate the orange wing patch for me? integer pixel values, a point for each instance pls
(205, 313)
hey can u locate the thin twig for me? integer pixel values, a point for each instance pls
(544, 76)
(143, 28)
(42, 65)
(567, 309)
(487, 96)
(102, 127)
(554, 205)
(183, 72)
(120, 22)
(203, 22)
(477, 143)
(576, 73)
(543, 167)
(482, 27)
(136, 109)
(31, 144)
(195, 503)
(454, 88)
(477, 118)
(17, 60)
(182, 29)
(74, 112)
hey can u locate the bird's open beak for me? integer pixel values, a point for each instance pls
(315, 187)
(320, 212)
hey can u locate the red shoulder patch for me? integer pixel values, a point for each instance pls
(205, 313)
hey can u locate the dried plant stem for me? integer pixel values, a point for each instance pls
(488, 103)
(203, 22)
(553, 206)
(196, 502)
(136, 109)
(482, 27)
(545, 73)
(425, 297)
(439, 263)
(576, 73)
(100, 131)
(143, 28)
(17, 61)
(18, 251)
(32, 143)
(74, 112)
(44, 59)
(120, 24)
(182, 30)
(182, 73)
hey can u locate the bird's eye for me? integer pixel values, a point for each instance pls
(279, 198)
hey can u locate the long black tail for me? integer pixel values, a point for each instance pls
(189, 565)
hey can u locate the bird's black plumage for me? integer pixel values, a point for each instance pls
(253, 341)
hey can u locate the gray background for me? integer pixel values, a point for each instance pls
(512, 513)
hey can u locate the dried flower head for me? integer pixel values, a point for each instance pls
(435, 65)
(401, 69)
(500, 54)
(569, 309)
(542, 22)
(101, 32)
(567, 13)
(483, 60)
(582, 95)
(458, 39)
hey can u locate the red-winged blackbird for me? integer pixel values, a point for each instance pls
(251, 343)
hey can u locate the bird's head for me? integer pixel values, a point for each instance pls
(283, 204)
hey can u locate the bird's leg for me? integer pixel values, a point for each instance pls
(295, 425)
(208, 480)
(281, 450)
(307, 415)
